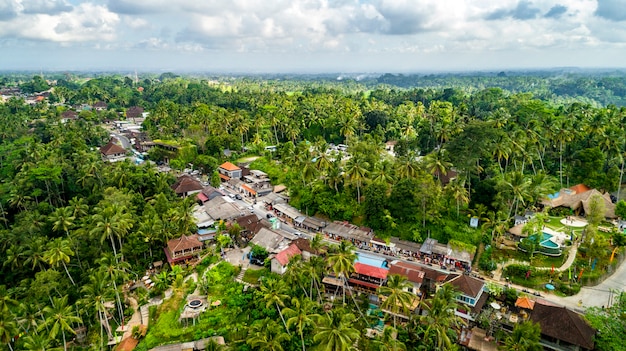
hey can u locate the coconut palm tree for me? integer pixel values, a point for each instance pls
(440, 318)
(525, 337)
(110, 222)
(267, 335)
(456, 189)
(8, 328)
(274, 294)
(38, 342)
(397, 299)
(62, 219)
(95, 294)
(341, 262)
(59, 252)
(356, 173)
(59, 318)
(114, 270)
(335, 332)
(388, 340)
(301, 316)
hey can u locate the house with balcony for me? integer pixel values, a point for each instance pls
(472, 295)
(562, 329)
(228, 171)
(367, 279)
(182, 249)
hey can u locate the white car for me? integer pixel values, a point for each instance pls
(250, 208)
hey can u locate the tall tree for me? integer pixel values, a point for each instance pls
(301, 316)
(525, 337)
(59, 318)
(335, 332)
(59, 253)
(275, 294)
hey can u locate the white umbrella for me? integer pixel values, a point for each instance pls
(495, 305)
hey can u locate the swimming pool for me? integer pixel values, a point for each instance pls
(371, 260)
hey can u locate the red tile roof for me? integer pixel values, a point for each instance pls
(249, 189)
(362, 283)
(223, 176)
(412, 272)
(202, 197)
(284, 256)
(229, 166)
(525, 302)
(370, 271)
(580, 188)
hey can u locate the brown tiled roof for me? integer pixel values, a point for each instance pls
(185, 242)
(412, 272)
(303, 244)
(100, 104)
(229, 166)
(111, 149)
(434, 275)
(572, 199)
(69, 114)
(563, 324)
(185, 184)
(284, 256)
(134, 111)
(251, 223)
(467, 285)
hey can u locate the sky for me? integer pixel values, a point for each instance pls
(311, 36)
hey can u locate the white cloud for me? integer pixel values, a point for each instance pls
(86, 22)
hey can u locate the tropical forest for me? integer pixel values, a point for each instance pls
(456, 160)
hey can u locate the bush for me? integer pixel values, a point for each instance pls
(569, 289)
(486, 263)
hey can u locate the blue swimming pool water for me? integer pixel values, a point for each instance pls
(546, 242)
(370, 260)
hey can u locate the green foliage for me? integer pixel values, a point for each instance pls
(610, 323)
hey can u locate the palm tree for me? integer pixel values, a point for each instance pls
(301, 316)
(38, 342)
(341, 262)
(356, 173)
(456, 189)
(437, 163)
(95, 293)
(8, 329)
(115, 269)
(388, 341)
(110, 222)
(267, 335)
(62, 219)
(35, 249)
(59, 252)
(59, 317)
(274, 293)
(440, 317)
(335, 332)
(525, 337)
(397, 298)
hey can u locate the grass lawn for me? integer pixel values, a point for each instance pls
(251, 276)
(539, 260)
(247, 159)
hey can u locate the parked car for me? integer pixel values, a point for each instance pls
(269, 215)
(297, 233)
(238, 197)
(232, 196)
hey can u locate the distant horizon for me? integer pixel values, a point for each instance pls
(311, 36)
(521, 70)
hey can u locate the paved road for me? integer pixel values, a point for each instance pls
(123, 139)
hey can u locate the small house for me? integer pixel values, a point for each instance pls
(281, 260)
(472, 296)
(183, 248)
(228, 171)
(112, 152)
(187, 185)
